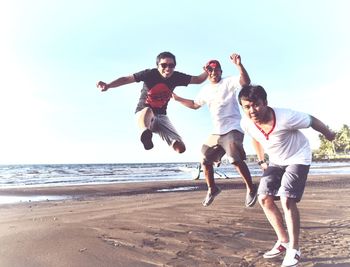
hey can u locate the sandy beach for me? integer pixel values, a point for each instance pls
(143, 224)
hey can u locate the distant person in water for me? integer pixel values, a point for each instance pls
(276, 132)
(151, 111)
(227, 136)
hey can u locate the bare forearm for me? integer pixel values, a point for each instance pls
(118, 82)
(259, 150)
(186, 102)
(319, 126)
(244, 76)
(199, 79)
(121, 81)
(260, 154)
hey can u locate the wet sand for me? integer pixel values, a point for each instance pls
(144, 224)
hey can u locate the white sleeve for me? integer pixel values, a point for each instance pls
(298, 120)
(200, 99)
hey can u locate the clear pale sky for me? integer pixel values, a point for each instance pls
(53, 53)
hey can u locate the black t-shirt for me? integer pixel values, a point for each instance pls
(156, 91)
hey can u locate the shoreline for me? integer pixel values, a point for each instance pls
(90, 174)
(131, 188)
(135, 224)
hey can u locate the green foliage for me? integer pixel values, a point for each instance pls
(339, 148)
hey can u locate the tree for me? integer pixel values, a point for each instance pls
(326, 149)
(342, 144)
(339, 147)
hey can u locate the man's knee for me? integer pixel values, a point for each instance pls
(145, 117)
(179, 147)
(265, 200)
(238, 163)
(212, 155)
(287, 203)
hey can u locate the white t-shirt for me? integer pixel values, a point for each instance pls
(222, 102)
(285, 144)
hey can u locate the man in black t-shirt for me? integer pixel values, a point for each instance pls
(158, 85)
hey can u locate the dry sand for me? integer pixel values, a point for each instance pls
(136, 225)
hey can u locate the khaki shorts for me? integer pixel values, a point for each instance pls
(217, 146)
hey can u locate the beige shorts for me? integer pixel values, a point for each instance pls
(217, 146)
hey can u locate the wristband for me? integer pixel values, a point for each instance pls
(261, 162)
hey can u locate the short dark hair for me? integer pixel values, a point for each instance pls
(165, 55)
(252, 93)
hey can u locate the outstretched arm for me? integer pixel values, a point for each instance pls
(118, 82)
(319, 126)
(186, 102)
(244, 77)
(199, 79)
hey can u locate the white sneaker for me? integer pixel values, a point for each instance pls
(292, 258)
(277, 250)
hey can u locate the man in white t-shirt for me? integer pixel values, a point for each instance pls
(275, 131)
(227, 136)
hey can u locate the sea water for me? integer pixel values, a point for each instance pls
(14, 176)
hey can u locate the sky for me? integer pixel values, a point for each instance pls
(53, 53)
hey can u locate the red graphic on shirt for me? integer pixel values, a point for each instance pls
(158, 95)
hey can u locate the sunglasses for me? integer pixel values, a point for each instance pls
(211, 69)
(165, 65)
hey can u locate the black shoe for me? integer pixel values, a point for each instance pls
(146, 139)
(251, 197)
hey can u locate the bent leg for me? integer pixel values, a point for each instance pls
(292, 218)
(232, 143)
(163, 126)
(213, 190)
(212, 153)
(144, 121)
(291, 191)
(243, 170)
(144, 118)
(208, 170)
(274, 216)
(179, 146)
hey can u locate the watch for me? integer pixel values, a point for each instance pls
(261, 162)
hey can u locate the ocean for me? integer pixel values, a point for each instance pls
(16, 176)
